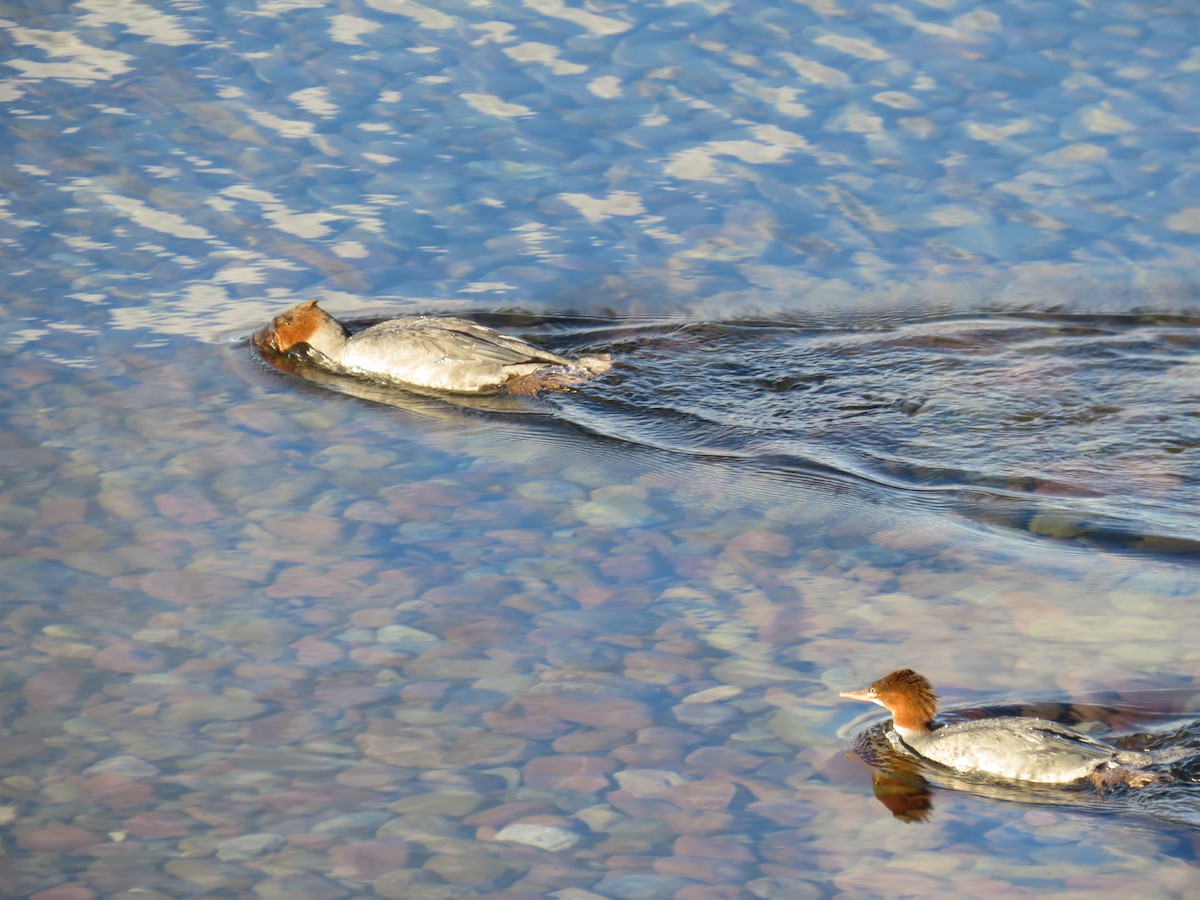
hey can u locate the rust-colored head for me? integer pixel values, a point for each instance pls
(302, 324)
(905, 694)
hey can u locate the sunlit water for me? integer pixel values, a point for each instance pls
(902, 303)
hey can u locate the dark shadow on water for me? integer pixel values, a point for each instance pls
(1077, 429)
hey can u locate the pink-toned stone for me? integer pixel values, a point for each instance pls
(61, 510)
(270, 671)
(633, 862)
(412, 750)
(693, 566)
(367, 860)
(290, 586)
(421, 751)
(58, 837)
(772, 791)
(186, 507)
(639, 807)
(589, 741)
(710, 892)
(372, 618)
(907, 538)
(370, 775)
(26, 376)
(189, 588)
(698, 821)
(129, 657)
(117, 791)
(593, 596)
(506, 813)
(312, 651)
(320, 616)
(626, 567)
(701, 868)
(538, 728)
(417, 500)
(1026, 608)
(259, 419)
(376, 656)
(788, 813)
(211, 875)
(348, 694)
(656, 783)
(713, 848)
(20, 746)
(65, 892)
(483, 631)
(657, 661)
(218, 820)
(549, 819)
(574, 773)
(722, 759)
(172, 619)
(159, 823)
(369, 511)
(424, 693)
(280, 729)
(311, 841)
(564, 874)
(51, 689)
(306, 528)
(874, 881)
(648, 756)
(204, 710)
(552, 635)
(123, 764)
(669, 737)
(761, 542)
(702, 795)
(200, 667)
(527, 539)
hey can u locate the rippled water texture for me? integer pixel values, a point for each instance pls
(902, 304)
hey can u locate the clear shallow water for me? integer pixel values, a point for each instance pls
(903, 300)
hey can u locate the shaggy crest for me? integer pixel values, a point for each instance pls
(298, 325)
(909, 696)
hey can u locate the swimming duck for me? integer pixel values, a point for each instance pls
(443, 353)
(1015, 748)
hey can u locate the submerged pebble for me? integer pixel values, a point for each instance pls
(544, 837)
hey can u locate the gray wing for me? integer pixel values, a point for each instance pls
(1027, 734)
(1023, 748)
(459, 339)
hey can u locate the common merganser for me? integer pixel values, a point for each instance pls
(1017, 748)
(442, 353)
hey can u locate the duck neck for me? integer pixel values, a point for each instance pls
(328, 338)
(908, 730)
(912, 719)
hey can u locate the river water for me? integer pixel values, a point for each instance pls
(901, 299)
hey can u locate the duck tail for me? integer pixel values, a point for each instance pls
(596, 363)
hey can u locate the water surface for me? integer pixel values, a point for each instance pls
(902, 301)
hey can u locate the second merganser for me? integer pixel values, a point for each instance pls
(443, 353)
(1016, 748)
